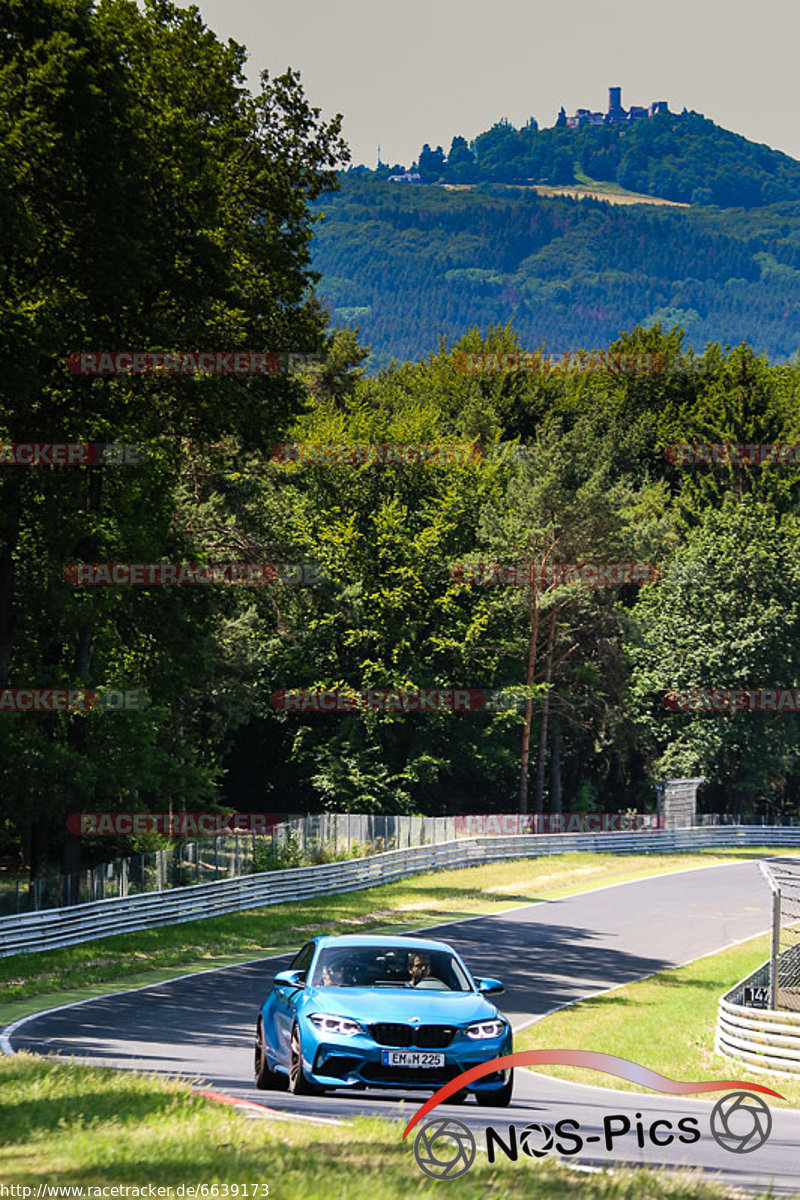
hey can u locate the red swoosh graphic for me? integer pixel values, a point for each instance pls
(610, 1064)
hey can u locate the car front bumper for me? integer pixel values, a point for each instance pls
(335, 1061)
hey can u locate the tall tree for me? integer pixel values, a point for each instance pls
(148, 201)
(726, 616)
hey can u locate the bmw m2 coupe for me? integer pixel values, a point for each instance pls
(380, 1012)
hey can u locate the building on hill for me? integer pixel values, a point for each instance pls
(615, 102)
(616, 114)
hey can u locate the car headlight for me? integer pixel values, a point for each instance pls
(485, 1029)
(343, 1025)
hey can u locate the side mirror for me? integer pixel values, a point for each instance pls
(490, 987)
(292, 979)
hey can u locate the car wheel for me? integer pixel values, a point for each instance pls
(266, 1080)
(457, 1097)
(498, 1097)
(298, 1084)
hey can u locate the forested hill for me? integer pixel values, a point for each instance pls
(683, 157)
(407, 263)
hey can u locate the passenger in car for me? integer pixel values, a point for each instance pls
(333, 975)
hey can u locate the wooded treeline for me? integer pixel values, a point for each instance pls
(676, 156)
(406, 263)
(191, 231)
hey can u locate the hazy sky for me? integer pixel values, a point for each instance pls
(417, 71)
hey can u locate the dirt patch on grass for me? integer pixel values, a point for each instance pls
(564, 879)
(380, 914)
(580, 193)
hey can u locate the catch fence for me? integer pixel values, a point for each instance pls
(785, 959)
(36, 931)
(310, 839)
(758, 1021)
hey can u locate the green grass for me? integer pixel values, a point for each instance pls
(31, 982)
(67, 1124)
(602, 185)
(666, 1022)
(70, 1125)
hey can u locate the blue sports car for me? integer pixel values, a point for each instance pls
(383, 1012)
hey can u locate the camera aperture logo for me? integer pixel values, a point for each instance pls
(741, 1122)
(445, 1148)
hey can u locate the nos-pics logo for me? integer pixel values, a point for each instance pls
(445, 1148)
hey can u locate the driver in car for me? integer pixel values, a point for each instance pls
(419, 969)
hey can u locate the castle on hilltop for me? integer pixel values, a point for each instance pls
(616, 114)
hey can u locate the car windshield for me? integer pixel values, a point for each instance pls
(391, 967)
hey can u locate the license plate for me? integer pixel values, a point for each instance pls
(411, 1058)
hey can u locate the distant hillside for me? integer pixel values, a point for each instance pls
(407, 263)
(683, 157)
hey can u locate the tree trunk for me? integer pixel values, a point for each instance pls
(9, 536)
(88, 550)
(548, 675)
(555, 767)
(526, 731)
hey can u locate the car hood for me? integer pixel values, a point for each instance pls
(400, 1005)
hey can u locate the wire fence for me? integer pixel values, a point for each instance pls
(34, 931)
(306, 840)
(758, 1019)
(175, 866)
(775, 985)
(786, 941)
(298, 841)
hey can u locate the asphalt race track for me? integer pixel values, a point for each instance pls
(547, 954)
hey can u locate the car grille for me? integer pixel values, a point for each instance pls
(423, 1037)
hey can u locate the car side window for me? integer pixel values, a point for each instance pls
(302, 960)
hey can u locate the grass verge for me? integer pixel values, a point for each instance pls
(32, 982)
(68, 1125)
(666, 1022)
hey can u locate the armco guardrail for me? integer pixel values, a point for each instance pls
(766, 1040)
(30, 932)
(212, 859)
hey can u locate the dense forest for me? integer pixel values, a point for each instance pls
(683, 157)
(192, 231)
(406, 264)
